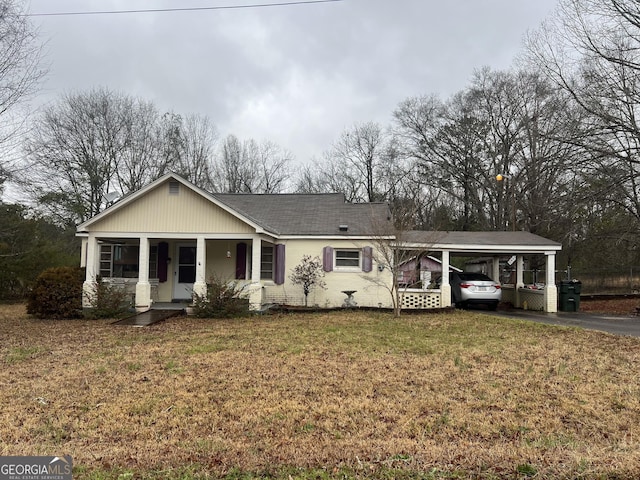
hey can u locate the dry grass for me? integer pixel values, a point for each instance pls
(338, 395)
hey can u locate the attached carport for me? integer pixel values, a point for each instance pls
(495, 245)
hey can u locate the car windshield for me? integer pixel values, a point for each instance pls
(471, 276)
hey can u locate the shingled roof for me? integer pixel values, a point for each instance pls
(482, 241)
(309, 214)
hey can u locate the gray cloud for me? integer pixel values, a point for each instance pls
(296, 75)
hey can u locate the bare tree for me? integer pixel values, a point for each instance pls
(74, 151)
(20, 74)
(508, 123)
(327, 176)
(273, 163)
(394, 246)
(197, 161)
(251, 167)
(359, 153)
(591, 49)
(138, 163)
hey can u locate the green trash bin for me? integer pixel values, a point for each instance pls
(569, 295)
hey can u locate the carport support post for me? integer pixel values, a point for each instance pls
(143, 287)
(445, 288)
(550, 289)
(519, 279)
(200, 285)
(495, 274)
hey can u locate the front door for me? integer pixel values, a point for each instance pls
(184, 273)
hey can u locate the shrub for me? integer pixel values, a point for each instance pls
(222, 300)
(57, 293)
(107, 301)
(308, 273)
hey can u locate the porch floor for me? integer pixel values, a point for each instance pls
(169, 305)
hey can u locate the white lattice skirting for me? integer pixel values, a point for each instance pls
(421, 299)
(534, 299)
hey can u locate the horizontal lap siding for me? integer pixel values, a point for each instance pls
(158, 211)
(369, 291)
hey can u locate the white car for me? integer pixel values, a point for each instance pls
(473, 288)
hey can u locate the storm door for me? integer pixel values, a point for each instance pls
(184, 272)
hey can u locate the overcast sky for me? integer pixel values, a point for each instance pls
(297, 75)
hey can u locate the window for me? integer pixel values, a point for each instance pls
(121, 261)
(347, 258)
(266, 262)
(153, 261)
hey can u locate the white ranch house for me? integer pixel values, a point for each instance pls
(165, 241)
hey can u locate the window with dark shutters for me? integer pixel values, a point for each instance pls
(241, 261)
(266, 262)
(279, 264)
(327, 259)
(163, 261)
(367, 259)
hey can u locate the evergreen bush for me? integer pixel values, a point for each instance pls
(57, 293)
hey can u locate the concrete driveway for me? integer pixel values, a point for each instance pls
(615, 324)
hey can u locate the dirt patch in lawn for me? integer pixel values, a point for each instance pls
(338, 395)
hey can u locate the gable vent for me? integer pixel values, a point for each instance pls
(174, 188)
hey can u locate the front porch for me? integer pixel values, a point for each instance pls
(167, 271)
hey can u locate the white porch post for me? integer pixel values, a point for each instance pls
(550, 289)
(91, 265)
(200, 285)
(143, 287)
(445, 288)
(519, 279)
(255, 291)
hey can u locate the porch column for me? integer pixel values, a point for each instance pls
(550, 289)
(200, 285)
(143, 287)
(255, 289)
(519, 279)
(445, 288)
(91, 265)
(256, 259)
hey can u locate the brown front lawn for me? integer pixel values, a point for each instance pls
(335, 395)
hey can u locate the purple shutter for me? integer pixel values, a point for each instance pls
(241, 261)
(163, 260)
(278, 268)
(367, 259)
(327, 259)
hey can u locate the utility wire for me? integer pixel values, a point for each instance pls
(183, 9)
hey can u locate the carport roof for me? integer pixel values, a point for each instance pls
(479, 242)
